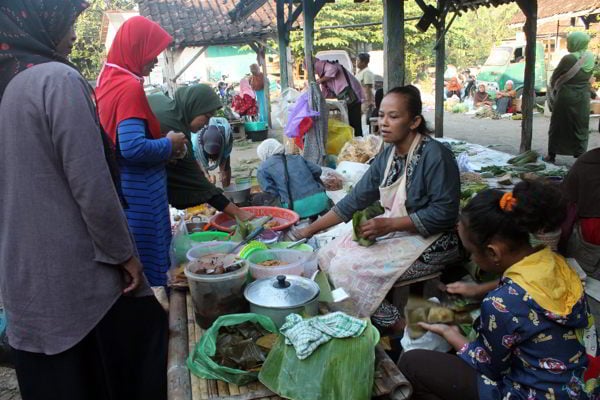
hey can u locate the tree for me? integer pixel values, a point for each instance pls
(88, 51)
(468, 42)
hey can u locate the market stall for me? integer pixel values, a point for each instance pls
(184, 333)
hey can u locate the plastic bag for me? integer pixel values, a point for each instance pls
(200, 361)
(280, 109)
(338, 369)
(180, 244)
(429, 341)
(338, 134)
(361, 149)
(331, 179)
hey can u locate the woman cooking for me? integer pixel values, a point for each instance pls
(416, 179)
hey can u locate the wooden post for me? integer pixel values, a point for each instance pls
(393, 44)
(440, 67)
(178, 376)
(282, 40)
(314, 145)
(171, 56)
(189, 63)
(262, 61)
(529, 8)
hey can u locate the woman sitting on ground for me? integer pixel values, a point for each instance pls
(505, 98)
(482, 98)
(528, 342)
(416, 179)
(293, 180)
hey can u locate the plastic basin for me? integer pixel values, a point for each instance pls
(208, 236)
(205, 248)
(216, 295)
(255, 126)
(294, 260)
(285, 217)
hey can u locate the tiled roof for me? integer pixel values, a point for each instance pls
(207, 22)
(465, 5)
(552, 8)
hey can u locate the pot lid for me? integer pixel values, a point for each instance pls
(282, 291)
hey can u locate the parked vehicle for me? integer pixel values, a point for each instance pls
(507, 62)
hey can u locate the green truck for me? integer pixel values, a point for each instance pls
(507, 62)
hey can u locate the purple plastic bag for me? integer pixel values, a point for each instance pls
(297, 113)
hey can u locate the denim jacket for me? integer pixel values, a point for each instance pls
(304, 177)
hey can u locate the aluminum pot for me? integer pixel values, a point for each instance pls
(238, 193)
(277, 297)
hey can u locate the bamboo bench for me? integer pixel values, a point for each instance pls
(184, 333)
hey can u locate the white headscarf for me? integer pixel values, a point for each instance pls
(269, 148)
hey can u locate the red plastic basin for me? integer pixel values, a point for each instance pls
(285, 217)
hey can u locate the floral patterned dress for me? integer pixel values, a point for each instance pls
(523, 351)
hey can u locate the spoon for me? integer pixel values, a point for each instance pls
(296, 243)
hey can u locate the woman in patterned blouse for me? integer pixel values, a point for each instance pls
(530, 336)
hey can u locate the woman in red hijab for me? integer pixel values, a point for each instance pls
(134, 130)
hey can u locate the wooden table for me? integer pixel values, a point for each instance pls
(184, 333)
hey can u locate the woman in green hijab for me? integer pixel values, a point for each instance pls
(190, 111)
(569, 125)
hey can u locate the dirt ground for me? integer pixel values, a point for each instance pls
(503, 135)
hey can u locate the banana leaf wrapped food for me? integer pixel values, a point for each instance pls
(361, 217)
(421, 310)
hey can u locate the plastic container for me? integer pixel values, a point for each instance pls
(208, 236)
(204, 248)
(294, 260)
(216, 295)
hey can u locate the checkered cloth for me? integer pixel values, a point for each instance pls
(306, 335)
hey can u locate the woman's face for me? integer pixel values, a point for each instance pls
(201, 121)
(65, 46)
(487, 259)
(482, 88)
(508, 86)
(395, 121)
(149, 67)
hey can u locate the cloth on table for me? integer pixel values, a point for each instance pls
(307, 335)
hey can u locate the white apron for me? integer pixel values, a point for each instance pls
(368, 273)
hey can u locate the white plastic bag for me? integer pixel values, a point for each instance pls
(429, 341)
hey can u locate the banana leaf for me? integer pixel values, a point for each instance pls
(360, 217)
(338, 369)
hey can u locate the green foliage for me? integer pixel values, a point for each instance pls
(88, 52)
(468, 42)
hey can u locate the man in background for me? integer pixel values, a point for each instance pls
(367, 80)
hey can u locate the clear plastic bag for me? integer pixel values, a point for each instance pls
(331, 179)
(180, 244)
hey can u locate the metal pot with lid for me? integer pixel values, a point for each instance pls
(277, 297)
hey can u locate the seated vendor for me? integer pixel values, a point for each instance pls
(416, 179)
(482, 98)
(529, 335)
(505, 98)
(453, 88)
(292, 179)
(187, 186)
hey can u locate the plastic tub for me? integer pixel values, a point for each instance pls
(216, 295)
(294, 260)
(204, 248)
(208, 236)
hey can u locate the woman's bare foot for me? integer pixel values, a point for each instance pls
(550, 158)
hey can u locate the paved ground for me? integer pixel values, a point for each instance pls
(504, 135)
